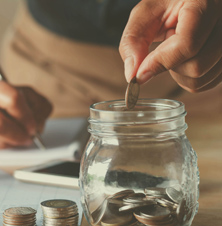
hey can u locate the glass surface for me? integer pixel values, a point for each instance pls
(145, 151)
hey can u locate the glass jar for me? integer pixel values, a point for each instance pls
(138, 167)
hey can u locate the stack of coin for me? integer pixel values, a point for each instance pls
(24, 216)
(60, 212)
(156, 206)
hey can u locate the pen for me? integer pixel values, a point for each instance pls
(37, 138)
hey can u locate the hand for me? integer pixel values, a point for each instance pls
(23, 113)
(191, 31)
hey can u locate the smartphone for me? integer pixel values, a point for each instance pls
(58, 173)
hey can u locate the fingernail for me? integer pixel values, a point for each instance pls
(129, 67)
(144, 77)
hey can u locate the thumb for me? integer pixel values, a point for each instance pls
(142, 28)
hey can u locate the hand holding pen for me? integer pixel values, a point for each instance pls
(23, 113)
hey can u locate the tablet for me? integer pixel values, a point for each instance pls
(57, 173)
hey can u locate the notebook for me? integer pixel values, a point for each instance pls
(64, 138)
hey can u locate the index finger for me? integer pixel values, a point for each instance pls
(138, 35)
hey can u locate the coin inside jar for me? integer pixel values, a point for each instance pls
(113, 217)
(175, 195)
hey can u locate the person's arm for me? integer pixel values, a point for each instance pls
(191, 31)
(23, 112)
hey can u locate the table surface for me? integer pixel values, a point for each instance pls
(205, 136)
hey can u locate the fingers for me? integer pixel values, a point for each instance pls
(11, 133)
(22, 113)
(205, 67)
(213, 84)
(40, 106)
(14, 103)
(207, 57)
(199, 84)
(187, 42)
(139, 33)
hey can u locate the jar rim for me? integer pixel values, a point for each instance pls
(120, 103)
(166, 114)
(145, 109)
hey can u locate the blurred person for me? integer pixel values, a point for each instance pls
(67, 51)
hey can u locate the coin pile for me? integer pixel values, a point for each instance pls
(24, 216)
(156, 206)
(60, 212)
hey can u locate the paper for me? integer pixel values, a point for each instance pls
(18, 194)
(63, 138)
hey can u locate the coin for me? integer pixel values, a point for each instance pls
(122, 194)
(132, 93)
(60, 212)
(166, 203)
(58, 203)
(155, 192)
(152, 208)
(175, 195)
(136, 206)
(19, 216)
(113, 217)
(20, 211)
(137, 200)
(156, 212)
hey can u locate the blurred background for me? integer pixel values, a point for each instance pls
(7, 12)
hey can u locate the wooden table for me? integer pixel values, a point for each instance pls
(205, 135)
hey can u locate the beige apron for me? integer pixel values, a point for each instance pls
(74, 75)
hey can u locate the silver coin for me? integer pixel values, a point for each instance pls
(113, 217)
(58, 203)
(133, 195)
(153, 218)
(174, 194)
(117, 202)
(130, 207)
(136, 200)
(166, 203)
(155, 191)
(132, 93)
(122, 194)
(156, 212)
(177, 187)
